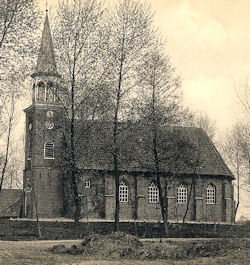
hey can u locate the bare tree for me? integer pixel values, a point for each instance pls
(236, 152)
(130, 23)
(158, 106)
(243, 98)
(203, 121)
(79, 40)
(17, 22)
(10, 120)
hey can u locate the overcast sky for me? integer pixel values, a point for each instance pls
(209, 43)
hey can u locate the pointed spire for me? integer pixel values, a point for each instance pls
(46, 63)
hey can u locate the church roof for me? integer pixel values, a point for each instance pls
(10, 202)
(181, 150)
(46, 63)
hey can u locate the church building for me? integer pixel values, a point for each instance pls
(212, 200)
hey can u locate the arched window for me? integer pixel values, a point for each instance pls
(153, 193)
(210, 194)
(49, 150)
(40, 91)
(182, 194)
(50, 91)
(123, 192)
(56, 94)
(87, 183)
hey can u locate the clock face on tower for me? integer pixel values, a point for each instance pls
(49, 125)
(50, 114)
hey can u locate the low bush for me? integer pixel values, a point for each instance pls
(123, 246)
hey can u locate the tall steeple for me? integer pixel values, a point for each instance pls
(46, 63)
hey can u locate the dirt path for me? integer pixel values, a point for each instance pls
(34, 253)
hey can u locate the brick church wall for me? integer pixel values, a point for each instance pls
(143, 210)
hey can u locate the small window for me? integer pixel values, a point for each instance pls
(210, 194)
(123, 192)
(153, 193)
(40, 91)
(49, 150)
(182, 194)
(87, 183)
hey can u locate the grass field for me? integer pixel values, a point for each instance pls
(35, 252)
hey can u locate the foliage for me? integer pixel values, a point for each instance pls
(18, 21)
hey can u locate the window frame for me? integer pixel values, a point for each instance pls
(49, 91)
(181, 194)
(44, 151)
(153, 193)
(211, 194)
(123, 192)
(41, 86)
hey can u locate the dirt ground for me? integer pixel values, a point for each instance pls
(35, 252)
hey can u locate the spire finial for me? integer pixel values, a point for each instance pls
(47, 6)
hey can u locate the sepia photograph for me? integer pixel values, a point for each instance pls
(124, 132)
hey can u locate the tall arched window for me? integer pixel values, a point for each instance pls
(210, 194)
(153, 193)
(56, 95)
(182, 194)
(49, 150)
(50, 91)
(40, 91)
(123, 192)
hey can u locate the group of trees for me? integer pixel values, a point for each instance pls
(18, 23)
(115, 69)
(236, 147)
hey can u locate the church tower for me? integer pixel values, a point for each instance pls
(42, 177)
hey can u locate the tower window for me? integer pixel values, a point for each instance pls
(123, 192)
(40, 91)
(182, 194)
(87, 183)
(49, 150)
(50, 91)
(153, 193)
(210, 194)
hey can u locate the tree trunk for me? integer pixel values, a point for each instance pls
(8, 142)
(188, 199)
(37, 214)
(238, 187)
(157, 167)
(116, 173)
(115, 141)
(73, 158)
(158, 179)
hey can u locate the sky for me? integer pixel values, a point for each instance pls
(209, 43)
